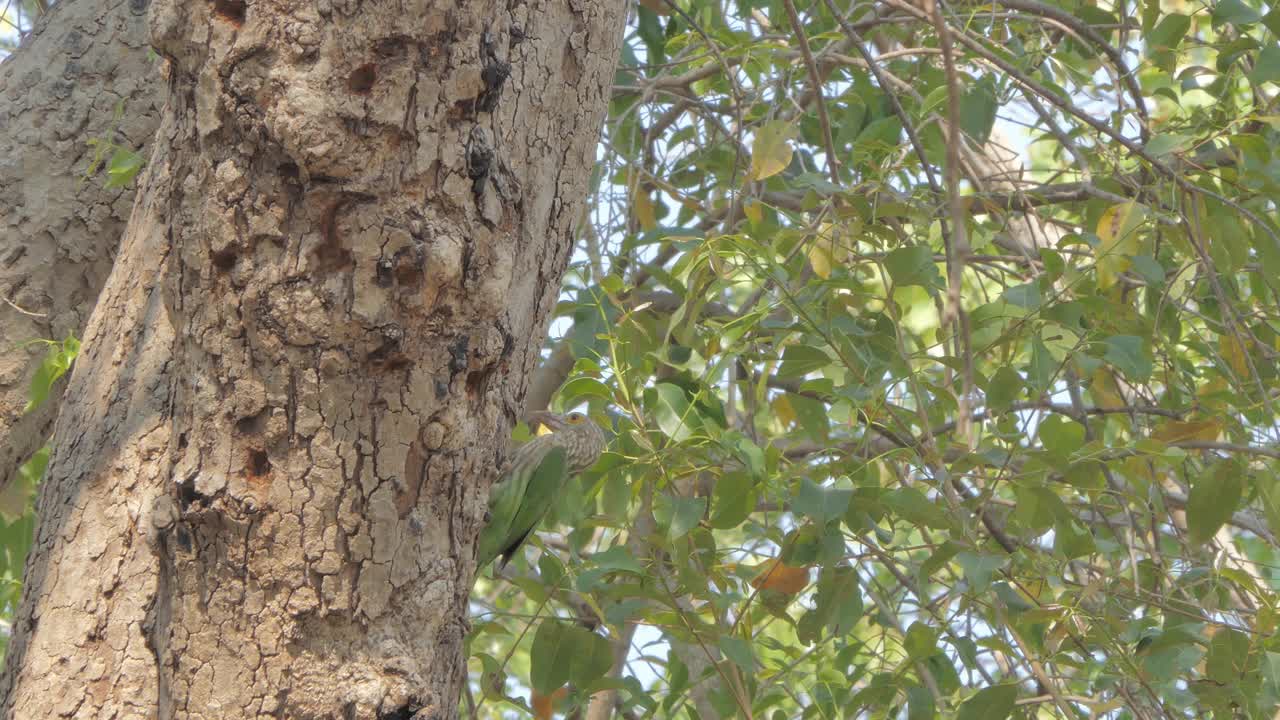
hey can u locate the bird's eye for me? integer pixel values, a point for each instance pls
(575, 418)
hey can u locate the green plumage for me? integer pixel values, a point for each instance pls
(519, 503)
(535, 476)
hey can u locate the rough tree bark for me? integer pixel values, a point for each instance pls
(298, 383)
(59, 231)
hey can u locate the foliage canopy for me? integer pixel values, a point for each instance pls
(938, 344)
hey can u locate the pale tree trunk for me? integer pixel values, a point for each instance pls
(58, 230)
(299, 380)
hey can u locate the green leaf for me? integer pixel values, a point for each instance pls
(1266, 66)
(802, 546)
(993, 703)
(940, 557)
(747, 451)
(1269, 492)
(1234, 12)
(617, 558)
(879, 136)
(550, 569)
(1015, 602)
(1165, 39)
(978, 569)
(592, 657)
(123, 167)
(679, 514)
(739, 651)
(1071, 539)
(1228, 658)
(493, 680)
(821, 503)
(914, 507)
(1128, 354)
(1150, 270)
(1003, 388)
(676, 417)
(584, 387)
(551, 656)
(1272, 20)
(1026, 295)
(921, 641)
(1214, 497)
(1061, 436)
(1165, 143)
(920, 705)
(32, 471)
(800, 360)
(1271, 672)
(57, 361)
(837, 605)
(978, 109)
(651, 32)
(1169, 32)
(1042, 369)
(1036, 507)
(733, 500)
(812, 415)
(590, 322)
(564, 653)
(913, 265)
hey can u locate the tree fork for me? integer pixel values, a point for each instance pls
(298, 382)
(58, 230)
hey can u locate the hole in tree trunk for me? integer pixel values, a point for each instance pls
(259, 465)
(362, 78)
(232, 10)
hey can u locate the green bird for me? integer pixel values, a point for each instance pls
(534, 476)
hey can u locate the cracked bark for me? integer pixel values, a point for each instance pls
(58, 230)
(299, 379)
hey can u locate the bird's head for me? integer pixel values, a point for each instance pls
(576, 433)
(557, 422)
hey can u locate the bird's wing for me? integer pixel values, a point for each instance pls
(544, 484)
(531, 462)
(505, 497)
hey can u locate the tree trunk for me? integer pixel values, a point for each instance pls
(58, 230)
(299, 380)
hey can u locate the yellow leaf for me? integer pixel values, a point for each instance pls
(775, 575)
(771, 150)
(1117, 228)
(1105, 391)
(1177, 431)
(1211, 395)
(824, 253)
(820, 259)
(1138, 469)
(1058, 632)
(544, 705)
(754, 211)
(1233, 352)
(783, 409)
(646, 212)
